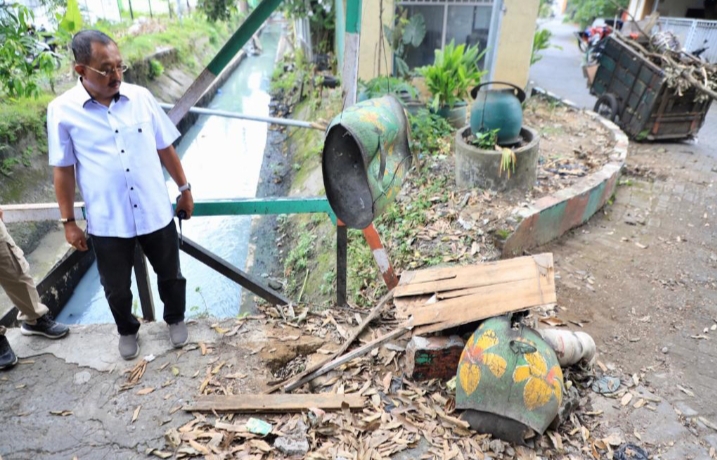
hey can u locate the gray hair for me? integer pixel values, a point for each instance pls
(82, 44)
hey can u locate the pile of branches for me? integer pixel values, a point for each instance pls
(682, 70)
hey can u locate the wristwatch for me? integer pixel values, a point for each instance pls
(184, 187)
(66, 220)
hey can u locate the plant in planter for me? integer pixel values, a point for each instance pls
(407, 32)
(453, 73)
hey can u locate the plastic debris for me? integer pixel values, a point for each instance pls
(257, 426)
(606, 385)
(630, 451)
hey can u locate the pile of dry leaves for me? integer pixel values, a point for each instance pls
(400, 418)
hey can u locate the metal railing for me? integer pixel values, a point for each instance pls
(693, 34)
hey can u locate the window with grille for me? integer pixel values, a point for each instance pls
(465, 21)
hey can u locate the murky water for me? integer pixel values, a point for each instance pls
(222, 159)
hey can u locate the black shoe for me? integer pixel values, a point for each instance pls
(46, 327)
(7, 356)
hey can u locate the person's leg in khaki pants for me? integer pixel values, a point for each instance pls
(19, 286)
(16, 280)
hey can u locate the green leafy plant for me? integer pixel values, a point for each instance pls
(584, 12)
(507, 161)
(453, 73)
(428, 132)
(486, 140)
(205, 313)
(541, 41)
(155, 69)
(23, 58)
(407, 32)
(380, 86)
(545, 7)
(72, 20)
(217, 10)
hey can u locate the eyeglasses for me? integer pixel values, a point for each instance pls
(106, 73)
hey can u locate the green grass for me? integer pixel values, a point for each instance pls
(22, 123)
(195, 39)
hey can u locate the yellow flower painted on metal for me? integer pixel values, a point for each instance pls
(371, 117)
(541, 385)
(473, 357)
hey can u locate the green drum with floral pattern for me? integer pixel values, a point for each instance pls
(510, 372)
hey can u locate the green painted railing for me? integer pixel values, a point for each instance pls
(252, 206)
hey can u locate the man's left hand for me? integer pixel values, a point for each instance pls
(186, 203)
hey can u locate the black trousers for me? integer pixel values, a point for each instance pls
(115, 257)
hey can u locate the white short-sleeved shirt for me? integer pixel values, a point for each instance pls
(114, 151)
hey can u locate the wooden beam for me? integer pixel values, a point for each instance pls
(281, 403)
(395, 334)
(469, 309)
(420, 279)
(240, 277)
(467, 278)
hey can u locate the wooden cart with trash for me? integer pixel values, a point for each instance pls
(653, 94)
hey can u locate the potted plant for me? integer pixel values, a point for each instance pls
(453, 73)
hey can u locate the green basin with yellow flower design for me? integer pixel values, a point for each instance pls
(510, 372)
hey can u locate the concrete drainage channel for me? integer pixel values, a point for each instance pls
(553, 215)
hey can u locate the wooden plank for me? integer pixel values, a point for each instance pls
(444, 273)
(396, 333)
(490, 301)
(476, 276)
(404, 305)
(281, 403)
(354, 335)
(410, 276)
(469, 309)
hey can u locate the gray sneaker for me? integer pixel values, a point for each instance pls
(178, 334)
(129, 346)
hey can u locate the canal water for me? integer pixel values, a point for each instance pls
(222, 158)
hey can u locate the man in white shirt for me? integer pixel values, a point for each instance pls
(113, 143)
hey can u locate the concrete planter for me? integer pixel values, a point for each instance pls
(456, 116)
(480, 168)
(553, 215)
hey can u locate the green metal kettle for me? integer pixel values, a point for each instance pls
(498, 109)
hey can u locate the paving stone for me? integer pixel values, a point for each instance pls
(291, 446)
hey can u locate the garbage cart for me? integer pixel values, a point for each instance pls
(633, 92)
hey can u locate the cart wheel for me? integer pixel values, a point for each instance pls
(607, 107)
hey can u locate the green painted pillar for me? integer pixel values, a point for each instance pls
(353, 16)
(352, 39)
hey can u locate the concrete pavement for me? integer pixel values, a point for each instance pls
(652, 258)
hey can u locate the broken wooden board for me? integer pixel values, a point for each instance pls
(461, 295)
(443, 279)
(282, 403)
